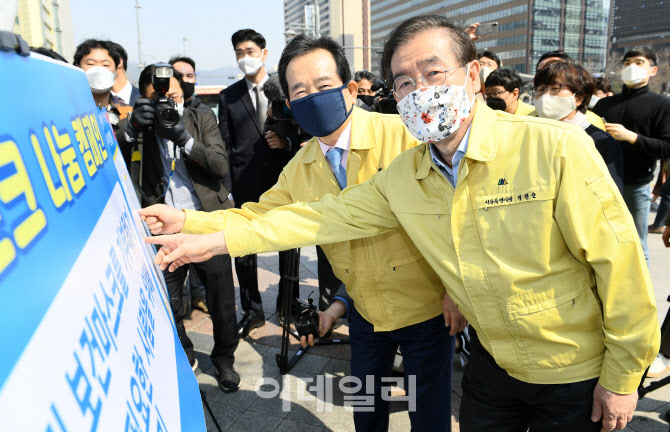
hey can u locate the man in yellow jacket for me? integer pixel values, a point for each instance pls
(523, 225)
(398, 298)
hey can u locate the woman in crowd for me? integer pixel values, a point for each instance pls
(562, 92)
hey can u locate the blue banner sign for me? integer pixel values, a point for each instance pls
(89, 340)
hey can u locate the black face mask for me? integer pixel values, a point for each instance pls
(189, 89)
(496, 103)
(367, 100)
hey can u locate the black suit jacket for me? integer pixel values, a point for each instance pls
(207, 164)
(252, 162)
(134, 95)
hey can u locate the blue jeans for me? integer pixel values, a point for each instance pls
(428, 355)
(638, 200)
(664, 206)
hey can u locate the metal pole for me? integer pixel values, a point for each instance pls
(184, 41)
(140, 60)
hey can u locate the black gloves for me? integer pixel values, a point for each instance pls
(177, 134)
(142, 117)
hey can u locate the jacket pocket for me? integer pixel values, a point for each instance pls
(557, 325)
(411, 288)
(612, 209)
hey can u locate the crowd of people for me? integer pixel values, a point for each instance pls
(449, 215)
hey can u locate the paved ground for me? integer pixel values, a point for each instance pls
(246, 411)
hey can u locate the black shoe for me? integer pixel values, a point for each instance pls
(247, 324)
(229, 379)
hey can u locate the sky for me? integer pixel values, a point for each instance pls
(207, 25)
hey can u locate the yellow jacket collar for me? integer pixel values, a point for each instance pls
(362, 135)
(481, 145)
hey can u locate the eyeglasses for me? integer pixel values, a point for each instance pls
(433, 75)
(553, 89)
(495, 94)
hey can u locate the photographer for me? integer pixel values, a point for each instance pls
(366, 94)
(183, 160)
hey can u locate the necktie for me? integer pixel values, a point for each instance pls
(334, 156)
(261, 106)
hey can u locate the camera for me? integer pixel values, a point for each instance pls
(307, 321)
(166, 110)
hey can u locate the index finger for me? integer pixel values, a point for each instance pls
(161, 240)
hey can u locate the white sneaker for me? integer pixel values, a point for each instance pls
(660, 366)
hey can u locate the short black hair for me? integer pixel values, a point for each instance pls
(556, 54)
(245, 35)
(365, 75)
(145, 80)
(602, 84)
(302, 45)
(574, 76)
(49, 53)
(642, 51)
(489, 54)
(122, 53)
(507, 78)
(461, 44)
(85, 48)
(188, 60)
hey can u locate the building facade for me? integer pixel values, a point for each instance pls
(641, 22)
(527, 28)
(347, 21)
(46, 23)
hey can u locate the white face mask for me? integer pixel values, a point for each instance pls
(484, 73)
(633, 74)
(594, 101)
(100, 79)
(555, 107)
(249, 65)
(433, 113)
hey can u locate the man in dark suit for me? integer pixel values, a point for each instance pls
(183, 166)
(255, 154)
(123, 89)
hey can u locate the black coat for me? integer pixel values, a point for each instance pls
(253, 164)
(134, 95)
(647, 114)
(207, 164)
(611, 152)
(196, 103)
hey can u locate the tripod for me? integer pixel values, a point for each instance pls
(288, 281)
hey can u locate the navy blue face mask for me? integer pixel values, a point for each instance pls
(320, 114)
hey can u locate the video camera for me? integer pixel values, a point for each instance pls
(166, 109)
(386, 103)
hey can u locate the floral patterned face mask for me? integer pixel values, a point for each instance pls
(433, 113)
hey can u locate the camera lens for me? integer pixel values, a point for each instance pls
(168, 117)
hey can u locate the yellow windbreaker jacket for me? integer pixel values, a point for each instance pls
(534, 244)
(390, 282)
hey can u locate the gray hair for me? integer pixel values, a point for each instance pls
(461, 44)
